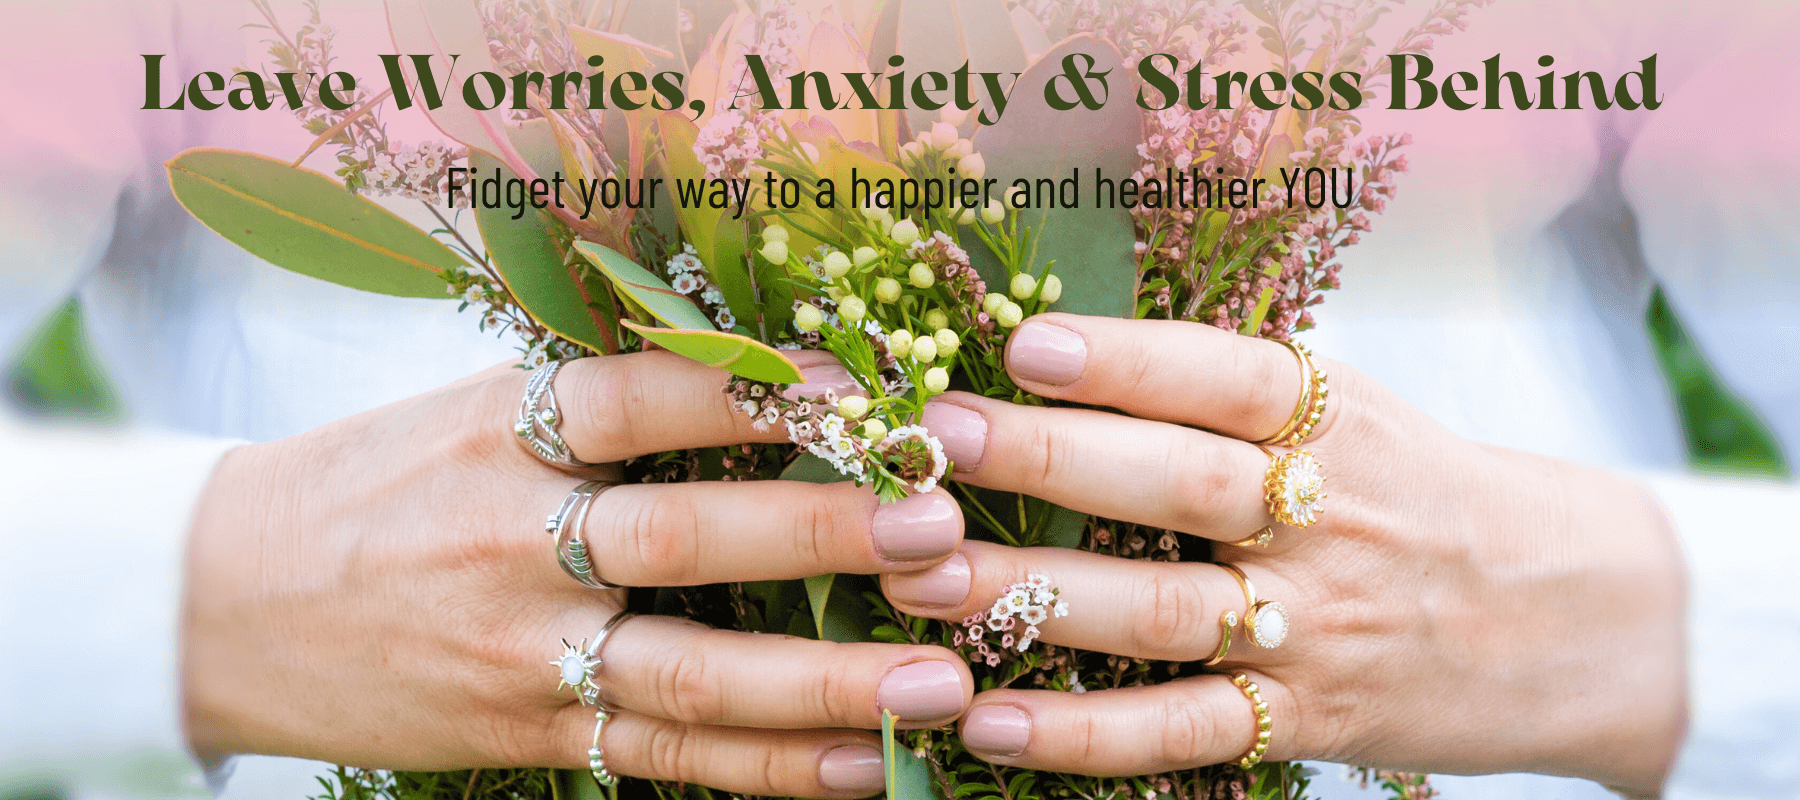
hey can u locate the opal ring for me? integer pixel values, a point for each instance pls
(1265, 620)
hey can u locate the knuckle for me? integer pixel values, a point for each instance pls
(1188, 731)
(1196, 490)
(1055, 450)
(685, 684)
(834, 698)
(817, 520)
(668, 752)
(657, 534)
(1176, 618)
(615, 390)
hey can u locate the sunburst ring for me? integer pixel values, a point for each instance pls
(1294, 488)
(579, 662)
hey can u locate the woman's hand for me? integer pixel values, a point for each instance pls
(1458, 607)
(381, 592)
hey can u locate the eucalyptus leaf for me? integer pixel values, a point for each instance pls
(303, 221)
(734, 353)
(908, 776)
(646, 289)
(818, 594)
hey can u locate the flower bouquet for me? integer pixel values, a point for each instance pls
(783, 224)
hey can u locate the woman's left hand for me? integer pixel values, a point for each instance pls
(1457, 608)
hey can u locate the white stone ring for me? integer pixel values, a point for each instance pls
(578, 662)
(1265, 620)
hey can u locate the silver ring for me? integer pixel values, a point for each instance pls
(578, 662)
(597, 756)
(538, 418)
(565, 527)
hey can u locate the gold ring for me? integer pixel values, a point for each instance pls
(1261, 539)
(1265, 620)
(1227, 621)
(1310, 408)
(1253, 693)
(1294, 488)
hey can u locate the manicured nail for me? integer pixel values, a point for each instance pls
(1046, 353)
(944, 586)
(820, 378)
(996, 730)
(852, 768)
(917, 528)
(962, 432)
(923, 690)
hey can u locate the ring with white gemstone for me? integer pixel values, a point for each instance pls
(1294, 488)
(578, 662)
(536, 425)
(1265, 620)
(565, 527)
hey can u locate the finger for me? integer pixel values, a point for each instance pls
(617, 407)
(1168, 611)
(680, 670)
(690, 534)
(1109, 465)
(1138, 730)
(1183, 372)
(816, 763)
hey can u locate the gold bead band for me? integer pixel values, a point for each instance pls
(1310, 408)
(1263, 722)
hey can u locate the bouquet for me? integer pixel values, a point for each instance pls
(785, 225)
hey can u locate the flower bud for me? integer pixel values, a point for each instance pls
(937, 379)
(936, 319)
(874, 429)
(904, 232)
(920, 275)
(993, 212)
(775, 250)
(911, 150)
(887, 290)
(943, 135)
(836, 293)
(837, 265)
(992, 302)
(853, 406)
(1023, 285)
(808, 318)
(962, 148)
(853, 309)
(967, 217)
(1009, 315)
(946, 341)
(1052, 289)
(900, 343)
(872, 211)
(925, 349)
(775, 233)
(972, 166)
(864, 255)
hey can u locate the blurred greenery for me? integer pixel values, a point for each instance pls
(1723, 434)
(57, 374)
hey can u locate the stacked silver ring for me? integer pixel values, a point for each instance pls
(586, 660)
(565, 527)
(538, 418)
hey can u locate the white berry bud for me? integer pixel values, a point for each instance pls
(900, 343)
(937, 379)
(775, 233)
(992, 302)
(1023, 285)
(946, 341)
(962, 148)
(925, 349)
(853, 406)
(874, 429)
(887, 290)
(936, 319)
(775, 250)
(904, 232)
(1010, 315)
(1052, 289)
(808, 318)
(920, 275)
(967, 217)
(864, 255)
(837, 265)
(972, 166)
(943, 135)
(993, 213)
(853, 309)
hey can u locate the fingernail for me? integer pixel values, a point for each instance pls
(820, 378)
(1046, 353)
(945, 585)
(923, 690)
(962, 432)
(916, 528)
(997, 730)
(852, 768)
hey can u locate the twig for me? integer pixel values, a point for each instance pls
(344, 123)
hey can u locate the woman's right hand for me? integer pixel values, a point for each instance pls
(381, 592)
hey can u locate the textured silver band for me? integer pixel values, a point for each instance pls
(536, 425)
(565, 527)
(597, 756)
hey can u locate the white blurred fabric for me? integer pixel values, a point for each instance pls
(1470, 299)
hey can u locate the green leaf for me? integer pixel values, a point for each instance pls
(649, 291)
(527, 255)
(738, 355)
(1092, 247)
(812, 469)
(302, 221)
(1064, 527)
(818, 592)
(717, 237)
(908, 777)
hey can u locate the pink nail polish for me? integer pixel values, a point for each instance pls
(852, 768)
(917, 528)
(962, 432)
(820, 378)
(922, 691)
(1046, 353)
(996, 730)
(944, 586)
